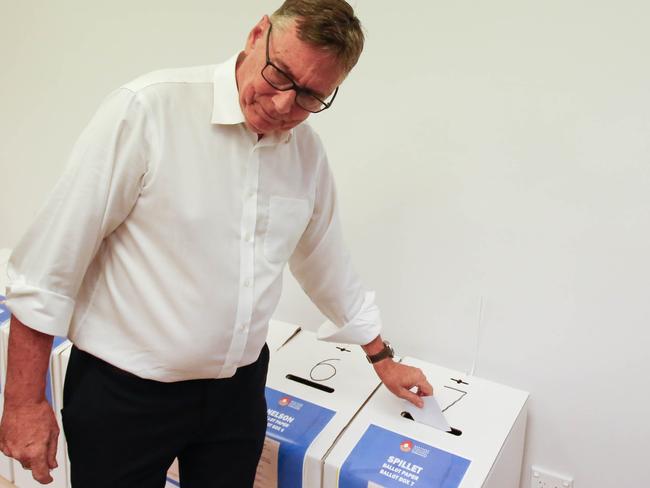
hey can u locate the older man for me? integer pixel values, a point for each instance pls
(160, 255)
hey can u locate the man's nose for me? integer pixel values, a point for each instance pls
(283, 101)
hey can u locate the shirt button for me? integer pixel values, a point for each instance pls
(249, 238)
(248, 282)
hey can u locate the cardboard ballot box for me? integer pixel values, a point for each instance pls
(59, 367)
(313, 390)
(383, 447)
(22, 478)
(278, 335)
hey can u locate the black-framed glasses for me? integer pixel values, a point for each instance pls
(281, 81)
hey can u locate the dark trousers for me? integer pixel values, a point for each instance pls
(124, 431)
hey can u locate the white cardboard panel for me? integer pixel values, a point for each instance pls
(279, 333)
(60, 357)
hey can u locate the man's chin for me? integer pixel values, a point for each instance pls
(260, 126)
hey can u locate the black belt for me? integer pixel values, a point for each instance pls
(108, 366)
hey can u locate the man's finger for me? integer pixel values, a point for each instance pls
(40, 471)
(425, 388)
(51, 450)
(419, 380)
(411, 397)
(421, 393)
(5, 450)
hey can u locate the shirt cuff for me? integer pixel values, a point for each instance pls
(362, 329)
(41, 310)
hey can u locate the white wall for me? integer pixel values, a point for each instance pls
(482, 149)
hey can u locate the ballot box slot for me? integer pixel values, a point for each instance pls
(453, 430)
(312, 384)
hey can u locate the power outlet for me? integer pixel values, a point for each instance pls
(542, 478)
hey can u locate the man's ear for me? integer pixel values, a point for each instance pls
(257, 33)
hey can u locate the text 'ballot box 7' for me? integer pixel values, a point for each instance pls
(383, 447)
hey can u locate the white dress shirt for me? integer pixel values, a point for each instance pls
(161, 248)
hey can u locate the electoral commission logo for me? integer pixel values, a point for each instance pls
(409, 446)
(286, 401)
(406, 446)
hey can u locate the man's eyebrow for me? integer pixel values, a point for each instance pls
(287, 70)
(284, 68)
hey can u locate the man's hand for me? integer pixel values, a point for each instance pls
(29, 434)
(400, 379)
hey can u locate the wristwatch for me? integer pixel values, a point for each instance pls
(386, 352)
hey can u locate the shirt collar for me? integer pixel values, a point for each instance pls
(226, 109)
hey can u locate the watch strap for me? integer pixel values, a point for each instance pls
(386, 352)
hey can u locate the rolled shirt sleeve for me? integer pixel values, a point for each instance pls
(322, 265)
(97, 191)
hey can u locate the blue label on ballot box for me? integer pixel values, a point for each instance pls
(4, 315)
(294, 423)
(385, 459)
(4, 311)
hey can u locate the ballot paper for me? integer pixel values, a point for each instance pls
(429, 414)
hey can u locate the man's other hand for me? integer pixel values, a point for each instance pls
(400, 379)
(29, 434)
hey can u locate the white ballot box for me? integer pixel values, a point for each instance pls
(6, 463)
(383, 447)
(278, 335)
(59, 365)
(313, 390)
(22, 478)
(173, 479)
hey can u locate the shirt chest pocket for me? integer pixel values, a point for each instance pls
(288, 218)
